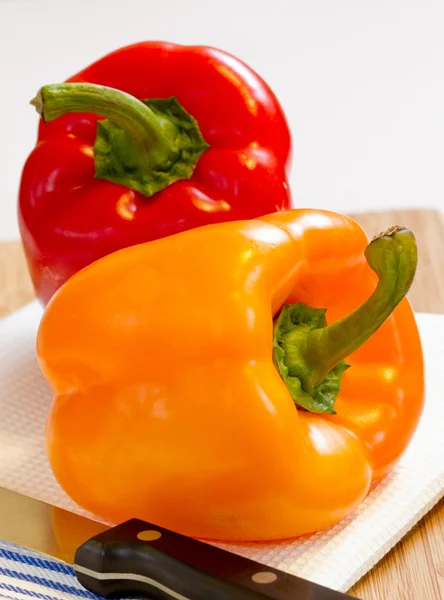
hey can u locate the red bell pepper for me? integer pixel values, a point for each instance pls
(215, 148)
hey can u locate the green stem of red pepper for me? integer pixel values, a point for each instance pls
(309, 353)
(144, 145)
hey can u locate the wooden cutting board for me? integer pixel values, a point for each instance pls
(414, 569)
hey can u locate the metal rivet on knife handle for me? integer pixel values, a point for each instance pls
(264, 577)
(149, 535)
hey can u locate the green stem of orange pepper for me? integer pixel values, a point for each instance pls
(309, 353)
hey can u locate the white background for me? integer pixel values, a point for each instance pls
(361, 81)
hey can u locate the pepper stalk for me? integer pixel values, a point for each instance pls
(145, 145)
(309, 354)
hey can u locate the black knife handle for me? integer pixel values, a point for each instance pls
(138, 558)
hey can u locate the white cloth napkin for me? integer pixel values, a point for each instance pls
(336, 558)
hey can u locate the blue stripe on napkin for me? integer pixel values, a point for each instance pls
(36, 561)
(32, 575)
(18, 590)
(49, 583)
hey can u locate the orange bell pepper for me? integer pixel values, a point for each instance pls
(170, 407)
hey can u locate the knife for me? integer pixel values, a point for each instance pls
(139, 558)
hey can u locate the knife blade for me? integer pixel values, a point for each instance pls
(141, 558)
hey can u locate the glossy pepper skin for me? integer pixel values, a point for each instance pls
(68, 218)
(168, 405)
